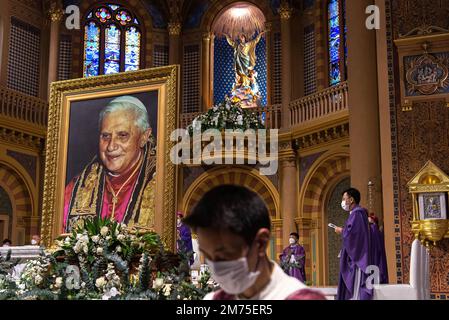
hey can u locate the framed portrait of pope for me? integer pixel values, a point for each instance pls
(107, 152)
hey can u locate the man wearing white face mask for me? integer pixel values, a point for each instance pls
(293, 258)
(233, 228)
(35, 240)
(355, 255)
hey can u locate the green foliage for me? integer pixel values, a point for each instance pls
(226, 115)
(112, 263)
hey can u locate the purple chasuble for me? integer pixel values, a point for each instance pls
(185, 241)
(355, 257)
(300, 257)
(378, 252)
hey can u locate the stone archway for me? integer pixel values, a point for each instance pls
(21, 204)
(241, 176)
(318, 185)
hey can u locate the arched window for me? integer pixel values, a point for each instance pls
(112, 40)
(336, 41)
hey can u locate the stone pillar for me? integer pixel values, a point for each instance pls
(205, 71)
(387, 220)
(363, 103)
(174, 40)
(55, 14)
(286, 12)
(288, 189)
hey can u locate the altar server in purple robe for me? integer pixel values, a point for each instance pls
(293, 258)
(355, 255)
(378, 248)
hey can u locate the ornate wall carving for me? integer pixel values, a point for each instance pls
(417, 136)
(423, 134)
(410, 14)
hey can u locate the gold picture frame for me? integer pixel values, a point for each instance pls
(165, 81)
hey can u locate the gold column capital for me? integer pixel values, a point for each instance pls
(55, 13)
(207, 36)
(268, 26)
(285, 11)
(174, 28)
(286, 154)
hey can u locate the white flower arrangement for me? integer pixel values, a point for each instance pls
(102, 256)
(226, 115)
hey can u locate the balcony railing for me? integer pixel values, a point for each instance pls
(329, 101)
(270, 114)
(15, 105)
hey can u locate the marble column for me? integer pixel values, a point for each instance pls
(363, 103)
(174, 42)
(288, 189)
(286, 12)
(205, 71)
(55, 14)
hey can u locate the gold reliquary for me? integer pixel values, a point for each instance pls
(430, 189)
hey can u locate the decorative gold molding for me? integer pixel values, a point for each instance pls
(424, 31)
(17, 137)
(323, 136)
(285, 11)
(174, 28)
(207, 36)
(165, 80)
(305, 223)
(276, 223)
(286, 154)
(268, 26)
(55, 14)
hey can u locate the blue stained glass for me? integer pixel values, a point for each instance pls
(112, 50)
(91, 50)
(336, 40)
(135, 21)
(132, 49)
(334, 49)
(334, 73)
(334, 23)
(333, 9)
(89, 15)
(113, 6)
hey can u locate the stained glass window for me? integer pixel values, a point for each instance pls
(112, 50)
(336, 41)
(91, 49)
(123, 17)
(112, 40)
(132, 49)
(103, 14)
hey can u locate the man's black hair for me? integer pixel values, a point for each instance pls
(295, 234)
(7, 241)
(354, 193)
(232, 208)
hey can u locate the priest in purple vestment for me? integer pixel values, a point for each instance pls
(184, 238)
(378, 249)
(355, 254)
(293, 258)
